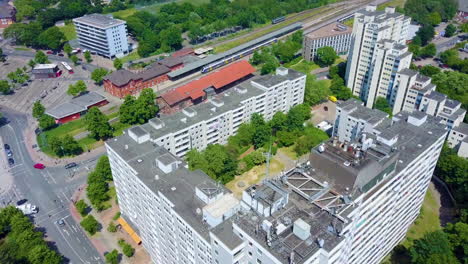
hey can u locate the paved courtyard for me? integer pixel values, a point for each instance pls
(50, 91)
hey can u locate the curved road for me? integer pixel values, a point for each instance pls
(51, 190)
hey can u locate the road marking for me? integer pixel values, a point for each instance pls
(66, 198)
(50, 176)
(73, 249)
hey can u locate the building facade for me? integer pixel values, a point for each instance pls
(458, 139)
(7, 15)
(221, 115)
(421, 95)
(41, 71)
(377, 52)
(335, 35)
(102, 34)
(350, 202)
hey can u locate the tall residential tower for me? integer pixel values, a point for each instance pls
(377, 53)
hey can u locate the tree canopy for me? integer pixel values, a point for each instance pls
(5, 87)
(382, 104)
(138, 111)
(97, 124)
(76, 89)
(118, 64)
(431, 11)
(38, 109)
(326, 56)
(98, 75)
(51, 38)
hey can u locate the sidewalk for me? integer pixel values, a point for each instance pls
(30, 139)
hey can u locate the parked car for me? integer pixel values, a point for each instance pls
(70, 165)
(9, 153)
(39, 166)
(61, 54)
(6, 146)
(22, 201)
(49, 52)
(11, 161)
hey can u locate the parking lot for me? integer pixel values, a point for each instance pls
(50, 91)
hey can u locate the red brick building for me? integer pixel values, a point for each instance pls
(76, 107)
(196, 91)
(124, 82)
(7, 15)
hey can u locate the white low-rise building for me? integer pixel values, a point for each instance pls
(335, 35)
(102, 34)
(458, 139)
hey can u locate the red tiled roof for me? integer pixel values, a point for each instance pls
(182, 52)
(219, 79)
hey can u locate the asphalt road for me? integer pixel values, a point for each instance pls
(50, 190)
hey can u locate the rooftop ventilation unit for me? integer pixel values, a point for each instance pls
(282, 71)
(190, 112)
(156, 123)
(216, 102)
(241, 90)
(301, 229)
(183, 120)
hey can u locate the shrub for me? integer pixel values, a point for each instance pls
(90, 224)
(82, 207)
(112, 227)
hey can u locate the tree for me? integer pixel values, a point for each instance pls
(67, 49)
(31, 64)
(38, 109)
(145, 107)
(76, 89)
(74, 59)
(70, 146)
(5, 87)
(51, 38)
(41, 253)
(296, 117)
(103, 168)
(424, 35)
(431, 246)
(97, 190)
(450, 30)
(326, 56)
(2, 56)
(126, 248)
(87, 56)
(97, 124)
(458, 236)
(112, 227)
(46, 122)
(339, 90)
(428, 51)
(118, 64)
(82, 207)
(55, 144)
(382, 105)
(126, 115)
(316, 91)
(112, 257)
(90, 224)
(311, 138)
(18, 76)
(98, 75)
(429, 70)
(434, 18)
(269, 66)
(285, 138)
(278, 122)
(261, 136)
(41, 58)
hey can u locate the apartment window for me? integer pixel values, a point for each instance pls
(259, 261)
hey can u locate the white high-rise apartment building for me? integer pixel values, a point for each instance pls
(214, 121)
(102, 34)
(377, 53)
(351, 202)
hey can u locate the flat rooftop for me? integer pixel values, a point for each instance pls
(358, 111)
(178, 186)
(99, 20)
(330, 30)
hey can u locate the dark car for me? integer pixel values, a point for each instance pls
(70, 165)
(60, 54)
(22, 201)
(6, 146)
(11, 161)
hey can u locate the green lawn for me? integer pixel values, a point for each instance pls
(154, 8)
(349, 22)
(69, 31)
(131, 57)
(23, 49)
(427, 221)
(73, 128)
(304, 66)
(124, 13)
(394, 3)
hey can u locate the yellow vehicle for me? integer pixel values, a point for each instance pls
(332, 98)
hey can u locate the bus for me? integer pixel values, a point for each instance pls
(69, 69)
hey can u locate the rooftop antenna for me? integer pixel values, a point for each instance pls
(268, 157)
